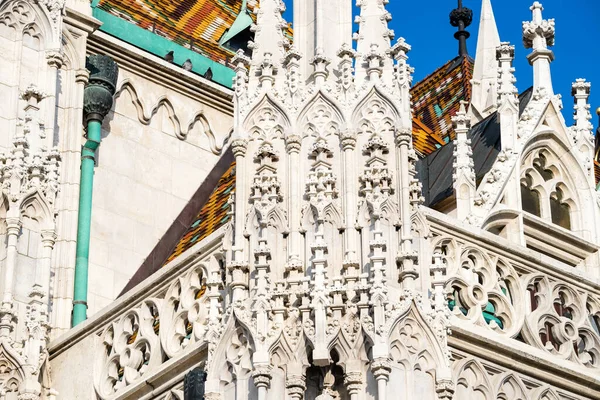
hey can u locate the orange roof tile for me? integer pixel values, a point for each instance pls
(437, 98)
(425, 141)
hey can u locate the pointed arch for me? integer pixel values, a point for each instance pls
(546, 393)
(419, 225)
(72, 60)
(376, 109)
(35, 206)
(267, 119)
(321, 113)
(549, 167)
(235, 346)
(281, 351)
(510, 387)
(413, 328)
(31, 17)
(11, 362)
(472, 380)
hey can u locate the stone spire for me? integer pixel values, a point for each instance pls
(268, 48)
(321, 26)
(461, 17)
(583, 130)
(464, 172)
(538, 34)
(373, 41)
(483, 98)
(508, 100)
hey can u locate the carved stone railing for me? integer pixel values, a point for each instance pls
(161, 321)
(514, 298)
(518, 295)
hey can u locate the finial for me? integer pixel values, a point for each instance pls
(461, 17)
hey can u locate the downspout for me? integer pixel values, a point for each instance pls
(97, 102)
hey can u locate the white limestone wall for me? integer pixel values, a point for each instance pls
(146, 172)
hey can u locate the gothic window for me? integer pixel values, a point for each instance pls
(594, 319)
(533, 290)
(544, 189)
(561, 212)
(530, 198)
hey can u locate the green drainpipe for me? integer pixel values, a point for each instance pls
(97, 102)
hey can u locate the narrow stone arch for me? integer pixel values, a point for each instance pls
(472, 381)
(30, 17)
(510, 387)
(35, 206)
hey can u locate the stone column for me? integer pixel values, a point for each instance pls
(351, 264)
(296, 386)
(239, 265)
(295, 265)
(42, 274)
(381, 370)
(55, 61)
(406, 256)
(13, 229)
(354, 384)
(262, 380)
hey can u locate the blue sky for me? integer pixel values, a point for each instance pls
(425, 25)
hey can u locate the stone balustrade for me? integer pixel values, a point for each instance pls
(510, 296)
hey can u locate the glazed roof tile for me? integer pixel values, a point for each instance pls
(213, 214)
(195, 24)
(437, 98)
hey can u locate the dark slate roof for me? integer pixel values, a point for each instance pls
(435, 171)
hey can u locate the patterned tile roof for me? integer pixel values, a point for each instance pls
(425, 141)
(196, 24)
(437, 98)
(212, 215)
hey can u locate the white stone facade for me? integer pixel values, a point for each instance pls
(332, 280)
(159, 143)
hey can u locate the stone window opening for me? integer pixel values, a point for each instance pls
(544, 190)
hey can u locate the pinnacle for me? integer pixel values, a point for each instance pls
(269, 41)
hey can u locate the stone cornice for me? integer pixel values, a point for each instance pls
(525, 359)
(161, 72)
(85, 23)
